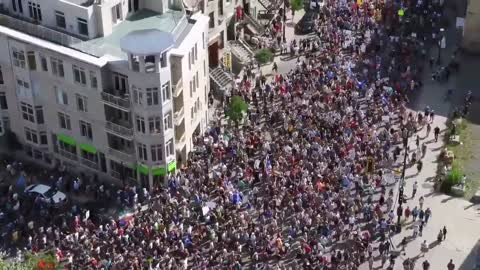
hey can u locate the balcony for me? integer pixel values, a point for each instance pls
(67, 154)
(116, 102)
(89, 163)
(177, 88)
(180, 142)
(118, 176)
(178, 116)
(126, 154)
(125, 132)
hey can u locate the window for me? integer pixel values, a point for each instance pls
(79, 75)
(86, 129)
(163, 60)
(193, 55)
(32, 63)
(43, 138)
(166, 91)
(196, 78)
(6, 122)
(150, 65)
(20, 5)
(34, 11)
(27, 112)
(156, 151)
(18, 58)
(60, 19)
(204, 68)
(194, 84)
(3, 101)
(203, 39)
(137, 96)
(191, 89)
(117, 13)
(93, 80)
(57, 67)
(142, 151)
(167, 121)
(22, 84)
(82, 26)
(31, 135)
(43, 62)
(64, 121)
(82, 103)
(189, 62)
(169, 148)
(39, 114)
(62, 97)
(196, 52)
(153, 96)
(154, 124)
(120, 82)
(140, 124)
(211, 22)
(1, 75)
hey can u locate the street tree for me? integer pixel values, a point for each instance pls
(236, 109)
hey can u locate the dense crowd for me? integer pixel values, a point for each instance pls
(302, 181)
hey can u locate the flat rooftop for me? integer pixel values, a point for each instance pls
(171, 21)
(83, 3)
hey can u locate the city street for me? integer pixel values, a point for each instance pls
(461, 218)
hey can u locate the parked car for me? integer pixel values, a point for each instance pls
(306, 24)
(47, 194)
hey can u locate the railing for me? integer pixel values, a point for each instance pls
(119, 130)
(126, 154)
(89, 163)
(258, 27)
(36, 30)
(123, 103)
(177, 88)
(178, 116)
(67, 154)
(119, 176)
(180, 142)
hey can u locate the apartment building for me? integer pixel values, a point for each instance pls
(116, 88)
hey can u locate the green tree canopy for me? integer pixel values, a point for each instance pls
(236, 109)
(296, 5)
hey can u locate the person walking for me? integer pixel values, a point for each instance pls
(424, 247)
(444, 232)
(428, 214)
(429, 128)
(415, 213)
(407, 212)
(436, 132)
(451, 265)
(415, 187)
(420, 202)
(426, 265)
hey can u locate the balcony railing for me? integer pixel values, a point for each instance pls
(177, 88)
(178, 116)
(180, 142)
(68, 154)
(119, 176)
(119, 130)
(125, 155)
(119, 102)
(89, 163)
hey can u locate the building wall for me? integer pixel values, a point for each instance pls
(471, 39)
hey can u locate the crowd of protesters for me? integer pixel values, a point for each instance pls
(302, 181)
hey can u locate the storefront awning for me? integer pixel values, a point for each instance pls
(172, 166)
(66, 139)
(88, 148)
(142, 169)
(160, 171)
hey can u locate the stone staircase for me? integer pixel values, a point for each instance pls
(254, 26)
(270, 5)
(221, 78)
(241, 51)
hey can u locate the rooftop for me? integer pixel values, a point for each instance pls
(83, 3)
(146, 42)
(171, 21)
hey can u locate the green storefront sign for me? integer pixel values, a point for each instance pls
(66, 139)
(88, 148)
(142, 169)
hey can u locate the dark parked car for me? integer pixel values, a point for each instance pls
(307, 23)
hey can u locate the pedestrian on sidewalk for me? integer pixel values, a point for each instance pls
(407, 213)
(429, 128)
(419, 166)
(424, 247)
(424, 149)
(415, 187)
(421, 214)
(451, 265)
(415, 230)
(432, 115)
(436, 132)
(428, 214)
(420, 202)
(415, 213)
(275, 67)
(426, 265)
(444, 232)
(420, 229)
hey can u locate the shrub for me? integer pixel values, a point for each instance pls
(264, 56)
(454, 177)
